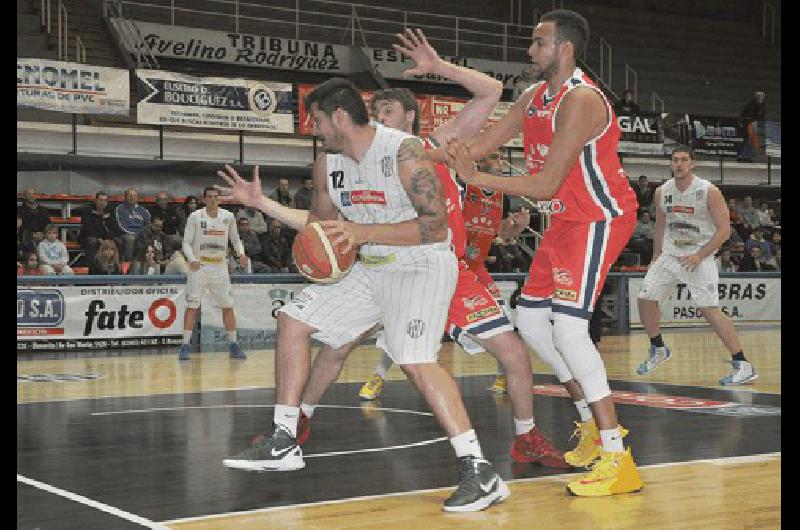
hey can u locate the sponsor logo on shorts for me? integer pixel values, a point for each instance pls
(367, 197)
(562, 276)
(566, 294)
(483, 313)
(415, 328)
(471, 302)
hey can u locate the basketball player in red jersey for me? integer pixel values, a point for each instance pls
(571, 137)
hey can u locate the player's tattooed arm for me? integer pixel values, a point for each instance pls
(423, 189)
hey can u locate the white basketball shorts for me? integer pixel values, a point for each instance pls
(667, 272)
(408, 292)
(216, 282)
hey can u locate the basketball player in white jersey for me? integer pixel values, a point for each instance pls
(692, 222)
(205, 245)
(383, 184)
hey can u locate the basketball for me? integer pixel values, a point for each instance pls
(315, 258)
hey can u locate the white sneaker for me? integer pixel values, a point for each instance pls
(743, 372)
(657, 356)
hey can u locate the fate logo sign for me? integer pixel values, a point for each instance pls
(161, 314)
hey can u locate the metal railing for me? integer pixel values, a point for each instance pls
(128, 35)
(62, 30)
(655, 97)
(80, 50)
(635, 76)
(606, 54)
(768, 22)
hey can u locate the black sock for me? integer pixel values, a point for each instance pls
(657, 341)
(739, 356)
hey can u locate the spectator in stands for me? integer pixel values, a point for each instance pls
(154, 235)
(754, 261)
(764, 216)
(172, 221)
(276, 252)
(753, 113)
(641, 241)
(626, 106)
(30, 265)
(190, 204)
(145, 262)
(132, 218)
(256, 220)
(281, 194)
(748, 215)
(776, 242)
(252, 245)
(735, 242)
(23, 246)
(725, 262)
(302, 199)
(755, 108)
(644, 193)
(107, 259)
(736, 220)
(35, 217)
(523, 83)
(757, 240)
(96, 226)
(53, 254)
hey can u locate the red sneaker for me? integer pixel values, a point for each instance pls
(534, 447)
(303, 431)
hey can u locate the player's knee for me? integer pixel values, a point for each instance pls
(537, 330)
(575, 345)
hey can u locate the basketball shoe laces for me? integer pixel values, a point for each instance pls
(467, 476)
(602, 469)
(586, 443)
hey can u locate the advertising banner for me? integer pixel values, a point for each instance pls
(642, 133)
(167, 98)
(86, 317)
(72, 87)
(717, 135)
(195, 44)
(742, 299)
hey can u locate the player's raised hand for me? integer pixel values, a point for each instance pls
(416, 46)
(247, 193)
(460, 159)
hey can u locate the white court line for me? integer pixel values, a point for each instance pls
(714, 461)
(92, 503)
(377, 449)
(159, 409)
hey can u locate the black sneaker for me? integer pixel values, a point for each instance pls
(479, 486)
(279, 452)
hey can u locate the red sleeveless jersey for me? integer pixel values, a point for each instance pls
(483, 212)
(452, 198)
(596, 187)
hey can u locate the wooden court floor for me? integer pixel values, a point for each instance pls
(136, 440)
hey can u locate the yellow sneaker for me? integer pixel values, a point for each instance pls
(500, 385)
(589, 446)
(372, 388)
(613, 473)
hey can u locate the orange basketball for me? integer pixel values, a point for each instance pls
(315, 258)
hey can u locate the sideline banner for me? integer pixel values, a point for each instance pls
(72, 87)
(642, 133)
(86, 317)
(742, 299)
(167, 98)
(717, 135)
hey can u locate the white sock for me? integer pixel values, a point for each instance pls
(307, 409)
(612, 440)
(231, 336)
(523, 426)
(384, 365)
(187, 336)
(466, 444)
(287, 416)
(584, 410)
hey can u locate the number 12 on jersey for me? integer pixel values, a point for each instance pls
(337, 179)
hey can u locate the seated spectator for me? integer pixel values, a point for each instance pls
(258, 224)
(153, 235)
(234, 267)
(748, 215)
(302, 199)
(53, 254)
(644, 193)
(145, 262)
(753, 261)
(776, 241)
(735, 242)
(276, 252)
(736, 219)
(107, 259)
(24, 245)
(177, 264)
(96, 226)
(30, 265)
(172, 221)
(725, 262)
(35, 217)
(764, 216)
(252, 245)
(131, 218)
(753, 113)
(190, 204)
(757, 239)
(641, 241)
(281, 194)
(626, 106)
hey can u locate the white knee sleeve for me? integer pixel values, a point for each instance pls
(573, 341)
(537, 330)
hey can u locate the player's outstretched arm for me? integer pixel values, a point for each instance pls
(249, 194)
